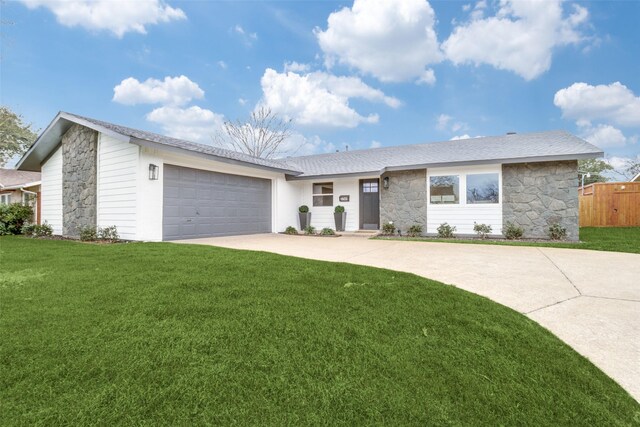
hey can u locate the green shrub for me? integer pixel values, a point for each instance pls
(388, 228)
(303, 209)
(88, 233)
(91, 234)
(556, 232)
(43, 230)
(511, 231)
(339, 209)
(13, 217)
(481, 229)
(415, 230)
(37, 230)
(108, 233)
(446, 231)
(290, 230)
(29, 229)
(327, 232)
(309, 229)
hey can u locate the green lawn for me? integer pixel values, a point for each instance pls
(167, 334)
(615, 239)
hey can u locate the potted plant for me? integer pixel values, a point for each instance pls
(340, 217)
(305, 216)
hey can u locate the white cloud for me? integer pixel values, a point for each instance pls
(613, 103)
(457, 137)
(620, 165)
(299, 145)
(393, 40)
(319, 98)
(170, 91)
(222, 64)
(603, 136)
(296, 67)
(192, 124)
(520, 37)
(106, 15)
(445, 122)
(428, 78)
(242, 101)
(375, 144)
(247, 37)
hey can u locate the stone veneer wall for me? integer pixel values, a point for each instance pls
(404, 202)
(536, 195)
(79, 179)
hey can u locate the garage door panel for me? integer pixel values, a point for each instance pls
(201, 203)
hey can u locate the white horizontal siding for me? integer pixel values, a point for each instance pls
(117, 185)
(322, 216)
(463, 215)
(51, 192)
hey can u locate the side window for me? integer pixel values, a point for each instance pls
(323, 194)
(483, 188)
(444, 189)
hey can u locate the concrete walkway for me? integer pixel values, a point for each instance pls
(589, 299)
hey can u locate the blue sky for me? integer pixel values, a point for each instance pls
(361, 73)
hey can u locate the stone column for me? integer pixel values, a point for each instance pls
(537, 195)
(405, 201)
(79, 179)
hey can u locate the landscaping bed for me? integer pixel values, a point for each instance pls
(614, 239)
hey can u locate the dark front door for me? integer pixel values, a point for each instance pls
(369, 204)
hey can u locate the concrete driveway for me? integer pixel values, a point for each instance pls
(589, 299)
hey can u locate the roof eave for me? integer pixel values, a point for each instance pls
(174, 149)
(19, 186)
(531, 159)
(54, 129)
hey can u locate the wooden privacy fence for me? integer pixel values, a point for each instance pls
(615, 204)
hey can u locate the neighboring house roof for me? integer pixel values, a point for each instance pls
(12, 179)
(512, 148)
(51, 136)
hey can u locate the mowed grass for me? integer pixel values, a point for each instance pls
(167, 334)
(613, 239)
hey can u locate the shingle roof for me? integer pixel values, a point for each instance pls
(186, 145)
(515, 148)
(13, 177)
(551, 145)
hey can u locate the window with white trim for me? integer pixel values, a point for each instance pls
(5, 199)
(444, 190)
(323, 194)
(483, 188)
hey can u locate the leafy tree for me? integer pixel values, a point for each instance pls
(595, 167)
(631, 168)
(15, 136)
(262, 135)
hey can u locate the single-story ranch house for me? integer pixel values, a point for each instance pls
(153, 187)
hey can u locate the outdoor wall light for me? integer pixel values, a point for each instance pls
(154, 171)
(385, 182)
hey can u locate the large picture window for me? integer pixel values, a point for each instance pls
(445, 189)
(323, 194)
(483, 188)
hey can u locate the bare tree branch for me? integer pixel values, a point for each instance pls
(264, 134)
